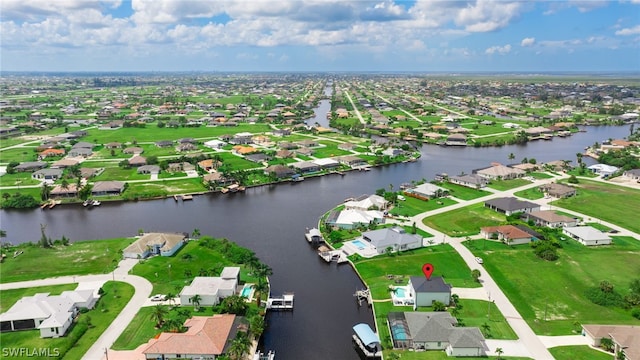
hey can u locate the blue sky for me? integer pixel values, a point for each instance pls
(320, 35)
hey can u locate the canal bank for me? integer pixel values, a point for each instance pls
(270, 221)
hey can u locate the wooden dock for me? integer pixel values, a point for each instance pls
(284, 302)
(329, 255)
(363, 295)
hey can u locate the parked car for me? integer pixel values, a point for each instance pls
(159, 297)
(479, 260)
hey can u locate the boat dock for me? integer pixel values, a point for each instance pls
(367, 353)
(284, 302)
(363, 295)
(313, 236)
(329, 255)
(259, 355)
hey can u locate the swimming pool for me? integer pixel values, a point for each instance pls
(400, 292)
(359, 244)
(246, 291)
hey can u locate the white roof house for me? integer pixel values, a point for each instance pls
(428, 190)
(351, 218)
(215, 144)
(212, 289)
(370, 202)
(603, 169)
(395, 238)
(326, 162)
(587, 235)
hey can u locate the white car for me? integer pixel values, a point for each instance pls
(479, 260)
(401, 198)
(159, 297)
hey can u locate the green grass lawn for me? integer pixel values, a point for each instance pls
(439, 355)
(10, 297)
(120, 174)
(616, 204)
(465, 221)
(163, 188)
(558, 288)
(503, 185)
(445, 260)
(19, 154)
(463, 192)
(412, 206)
(84, 333)
(475, 313)
(79, 258)
(18, 179)
(140, 330)
(578, 352)
(540, 175)
(151, 133)
(531, 194)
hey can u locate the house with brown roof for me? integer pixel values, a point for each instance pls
(137, 160)
(508, 234)
(59, 191)
(500, 172)
(207, 337)
(107, 188)
(626, 339)
(558, 190)
(50, 152)
(549, 218)
(165, 244)
(243, 150)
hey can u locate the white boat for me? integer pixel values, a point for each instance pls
(95, 203)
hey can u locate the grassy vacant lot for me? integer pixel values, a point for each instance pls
(503, 185)
(616, 204)
(478, 312)
(18, 179)
(540, 175)
(412, 206)
(463, 192)
(578, 352)
(10, 297)
(445, 260)
(163, 188)
(171, 274)
(79, 258)
(84, 333)
(531, 194)
(465, 221)
(439, 355)
(536, 286)
(151, 133)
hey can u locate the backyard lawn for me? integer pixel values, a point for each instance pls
(557, 289)
(531, 194)
(603, 201)
(87, 257)
(503, 185)
(476, 313)
(463, 192)
(465, 221)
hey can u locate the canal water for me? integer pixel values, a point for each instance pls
(271, 221)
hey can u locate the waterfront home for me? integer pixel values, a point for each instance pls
(549, 218)
(30, 166)
(511, 205)
(52, 315)
(625, 338)
(212, 289)
(395, 239)
(280, 171)
(306, 166)
(558, 190)
(107, 188)
(508, 234)
(326, 163)
(59, 191)
(164, 244)
(456, 140)
(354, 218)
(420, 331)
(471, 181)
(367, 202)
(207, 337)
(392, 152)
(427, 191)
(47, 174)
(427, 291)
(587, 235)
(351, 161)
(603, 169)
(500, 172)
(217, 178)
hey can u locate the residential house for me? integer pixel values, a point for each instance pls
(215, 144)
(427, 291)
(456, 140)
(603, 169)
(87, 173)
(133, 150)
(550, 218)
(64, 163)
(80, 152)
(207, 337)
(241, 138)
(472, 181)
(351, 161)
(217, 178)
(347, 146)
(427, 191)
(30, 166)
(558, 190)
(500, 172)
(52, 315)
(212, 289)
(258, 157)
(511, 205)
(625, 338)
(164, 244)
(633, 174)
(280, 171)
(392, 152)
(107, 188)
(113, 145)
(508, 234)
(395, 239)
(419, 331)
(58, 191)
(367, 202)
(137, 160)
(49, 175)
(306, 167)
(354, 218)
(164, 143)
(308, 143)
(326, 163)
(243, 150)
(304, 151)
(149, 169)
(587, 235)
(51, 152)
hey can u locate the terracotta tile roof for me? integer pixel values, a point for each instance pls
(507, 231)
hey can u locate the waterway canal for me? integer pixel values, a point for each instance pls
(271, 221)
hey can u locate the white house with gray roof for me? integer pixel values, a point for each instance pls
(395, 238)
(212, 289)
(587, 235)
(426, 292)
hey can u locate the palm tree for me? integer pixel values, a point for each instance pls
(475, 274)
(195, 300)
(262, 287)
(173, 325)
(234, 304)
(171, 298)
(256, 326)
(240, 345)
(511, 156)
(158, 314)
(499, 351)
(45, 192)
(486, 329)
(196, 232)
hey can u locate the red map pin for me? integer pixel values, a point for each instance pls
(427, 269)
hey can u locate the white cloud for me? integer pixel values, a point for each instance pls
(528, 42)
(502, 50)
(629, 31)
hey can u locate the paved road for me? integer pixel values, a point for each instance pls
(355, 109)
